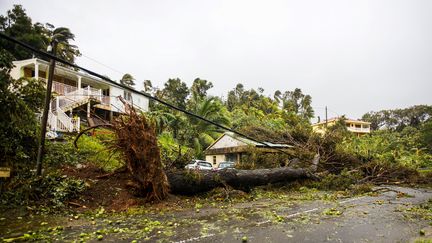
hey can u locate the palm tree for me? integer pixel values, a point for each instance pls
(202, 133)
(128, 80)
(62, 36)
(160, 119)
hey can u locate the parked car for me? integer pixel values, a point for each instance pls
(199, 165)
(226, 165)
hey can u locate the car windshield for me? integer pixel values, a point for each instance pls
(225, 165)
(206, 164)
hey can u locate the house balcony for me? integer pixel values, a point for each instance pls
(359, 129)
(74, 93)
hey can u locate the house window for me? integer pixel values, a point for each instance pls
(127, 95)
(214, 160)
(231, 157)
(358, 126)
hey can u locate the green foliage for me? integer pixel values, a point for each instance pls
(128, 80)
(256, 159)
(398, 119)
(296, 102)
(18, 125)
(62, 153)
(341, 181)
(332, 212)
(200, 133)
(91, 149)
(426, 136)
(53, 189)
(172, 153)
(31, 91)
(248, 111)
(17, 24)
(199, 89)
(402, 148)
(175, 92)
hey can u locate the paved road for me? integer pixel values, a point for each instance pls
(363, 219)
(379, 218)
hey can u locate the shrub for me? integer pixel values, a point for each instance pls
(52, 190)
(91, 149)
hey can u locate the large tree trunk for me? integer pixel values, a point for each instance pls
(192, 182)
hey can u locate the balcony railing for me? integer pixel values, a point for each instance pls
(358, 129)
(62, 89)
(74, 94)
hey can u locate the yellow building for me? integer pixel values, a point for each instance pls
(354, 126)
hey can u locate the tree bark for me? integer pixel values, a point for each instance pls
(188, 182)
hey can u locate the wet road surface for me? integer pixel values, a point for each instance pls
(384, 217)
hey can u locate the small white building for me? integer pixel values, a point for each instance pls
(231, 147)
(77, 94)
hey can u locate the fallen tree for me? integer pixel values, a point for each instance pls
(135, 138)
(189, 182)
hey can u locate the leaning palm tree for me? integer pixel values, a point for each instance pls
(128, 80)
(62, 37)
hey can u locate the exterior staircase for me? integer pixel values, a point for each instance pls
(58, 120)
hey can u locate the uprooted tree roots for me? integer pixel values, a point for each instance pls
(136, 139)
(137, 142)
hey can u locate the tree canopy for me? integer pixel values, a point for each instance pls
(17, 24)
(128, 80)
(398, 119)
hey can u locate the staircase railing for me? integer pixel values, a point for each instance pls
(76, 124)
(57, 118)
(52, 121)
(64, 119)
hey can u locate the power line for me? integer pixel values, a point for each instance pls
(54, 57)
(100, 63)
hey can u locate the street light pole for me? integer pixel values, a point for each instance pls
(45, 111)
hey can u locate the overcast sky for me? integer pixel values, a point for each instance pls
(353, 56)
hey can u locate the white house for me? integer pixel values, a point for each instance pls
(77, 95)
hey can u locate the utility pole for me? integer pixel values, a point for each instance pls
(326, 116)
(41, 147)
